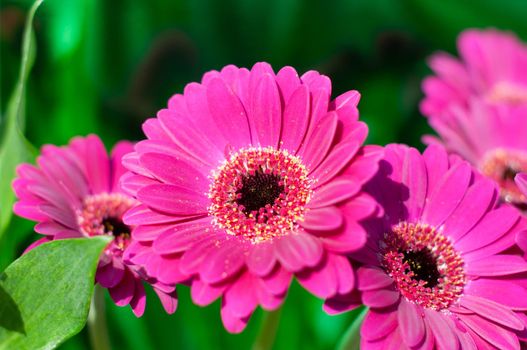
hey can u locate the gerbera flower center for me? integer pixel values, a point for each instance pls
(502, 166)
(101, 214)
(424, 265)
(507, 92)
(259, 193)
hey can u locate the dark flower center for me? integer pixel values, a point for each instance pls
(423, 265)
(115, 227)
(258, 191)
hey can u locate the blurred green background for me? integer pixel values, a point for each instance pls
(104, 66)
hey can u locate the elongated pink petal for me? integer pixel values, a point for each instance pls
(411, 323)
(266, 112)
(174, 199)
(261, 259)
(296, 119)
(228, 113)
(492, 311)
(296, 251)
(322, 219)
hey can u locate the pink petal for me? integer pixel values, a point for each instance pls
(181, 237)
(345, 273)
(123, 292)
(116, 167)
(203, 294)
(266, 112)
(298, 250)
(142, 215)
(411, 323)
(173, 199)
(232, 323)
(317, 145)
(502, 292)
(499, 337)
(380, 298)
(321, 281)
(288, 82)
(497, 265)
(439, 325)
(342, 303)
(226, 260)
(492, 311)
(261, 259)
(168, 300)
(138, 302)
(337, 159)
(447, 194)
(295, 120)
(414, 174)
(228, 114)
(521, 182)
(436, 160)
(322, 219)
(278, 281)
(198, 252)
(371, 278)
(174, 171)
(378, 324)
(37, 243)
(493, 226)
(97, 165)
(111, 274)
(240, 298)
(170, 273)
(334, 192)
(349, 98)
(477, 201)
(188, 139)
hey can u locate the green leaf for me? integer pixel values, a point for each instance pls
(14, 148)
(51, 286)
(10, 314)
(351, 339)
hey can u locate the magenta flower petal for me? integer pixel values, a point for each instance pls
(448, 283)
(378, 324)
(410, 323)
(296, 118)
(492, 311)
(278, 194)
(477, 102)
(75, 192)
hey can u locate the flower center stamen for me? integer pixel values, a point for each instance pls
(424, 265)
(259, 193)
(101, 214)
(502, 166)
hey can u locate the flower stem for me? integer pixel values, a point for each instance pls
(97, 327)
(269, 327)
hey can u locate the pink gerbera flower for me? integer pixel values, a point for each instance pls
(247, 179)
(493, 67)
(74, 192)
(491, 137)
(439, 270)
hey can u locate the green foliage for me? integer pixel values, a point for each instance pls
(47, 293)
(14, 148)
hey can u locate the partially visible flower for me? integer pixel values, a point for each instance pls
(491, 137)
(247, 179)
(74, 192)
(492, 67)
(440, 269)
